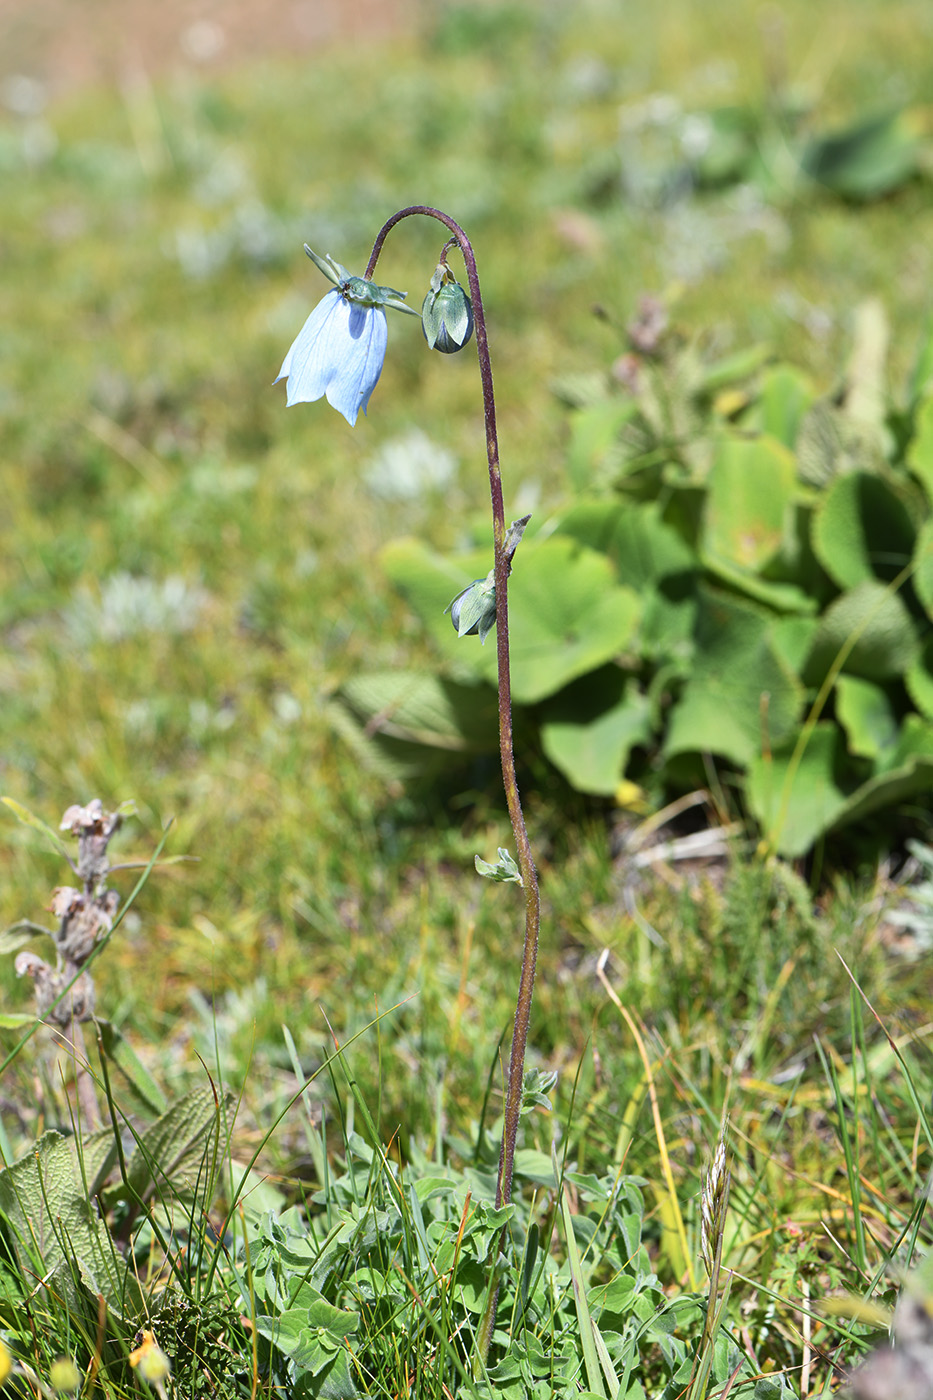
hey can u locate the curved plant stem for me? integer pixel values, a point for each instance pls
(513, 1099)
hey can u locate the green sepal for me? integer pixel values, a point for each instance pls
(359, 289)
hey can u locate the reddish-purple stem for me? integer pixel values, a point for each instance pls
(513, 1098)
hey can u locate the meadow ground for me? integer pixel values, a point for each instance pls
(189, 575)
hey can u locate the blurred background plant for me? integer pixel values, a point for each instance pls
(190, 588)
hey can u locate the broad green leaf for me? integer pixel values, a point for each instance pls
(871, 627)
(784, 396)
(589, 729)
(780, 597)
(740, 698)
(920, 451)
(96, 1156)
(866, 160)
(795, 811)
(923, 567)
(751, 486)
(919, 680)
(595, 449)
(58, 1231)
(642, 546)
(792, 638)
(174, 1146)
(532, 1165)
(566, 613)
(906, 773)
(863, 530)
(867, 715)
(831, 443)
(593, 522)
(336, 1322)
(795, 805)
(652, 558)
(566, 617)
(423, 708)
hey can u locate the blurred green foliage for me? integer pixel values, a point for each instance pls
(743, 571)
(190, 576)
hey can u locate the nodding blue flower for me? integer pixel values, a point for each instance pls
(340, 349)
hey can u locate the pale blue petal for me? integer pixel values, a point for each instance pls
(339, 351)
(309, 362)
(356, 374)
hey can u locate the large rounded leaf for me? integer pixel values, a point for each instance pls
(651, 557)
(863, 530)
(567, 614)
(796, 798)
(923, 567)
(870, 629)
(920, 451)
(785, 395)
(751, 486)
(867, 715)
(589, 729)
(740, 697)
(919, 680)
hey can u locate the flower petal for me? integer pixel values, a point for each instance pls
(356, 373)
(308, 364)
(339, 352)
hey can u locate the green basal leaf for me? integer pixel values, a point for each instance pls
(740, 698)
(589, 729)
(752, 484)
(567, 615)
(797, 802)
(420, 707)
(869, 630)
(784, 396)
(919, 680)
(863, 530)
(867, 715)
(920, 451)
(119, 1051)
(922, 577)
(867, 160)
(174, 1145)
(58, 1234)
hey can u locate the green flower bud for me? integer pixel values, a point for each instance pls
(446, 313)
(473, 612)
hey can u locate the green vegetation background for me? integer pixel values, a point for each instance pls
(188, 571)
